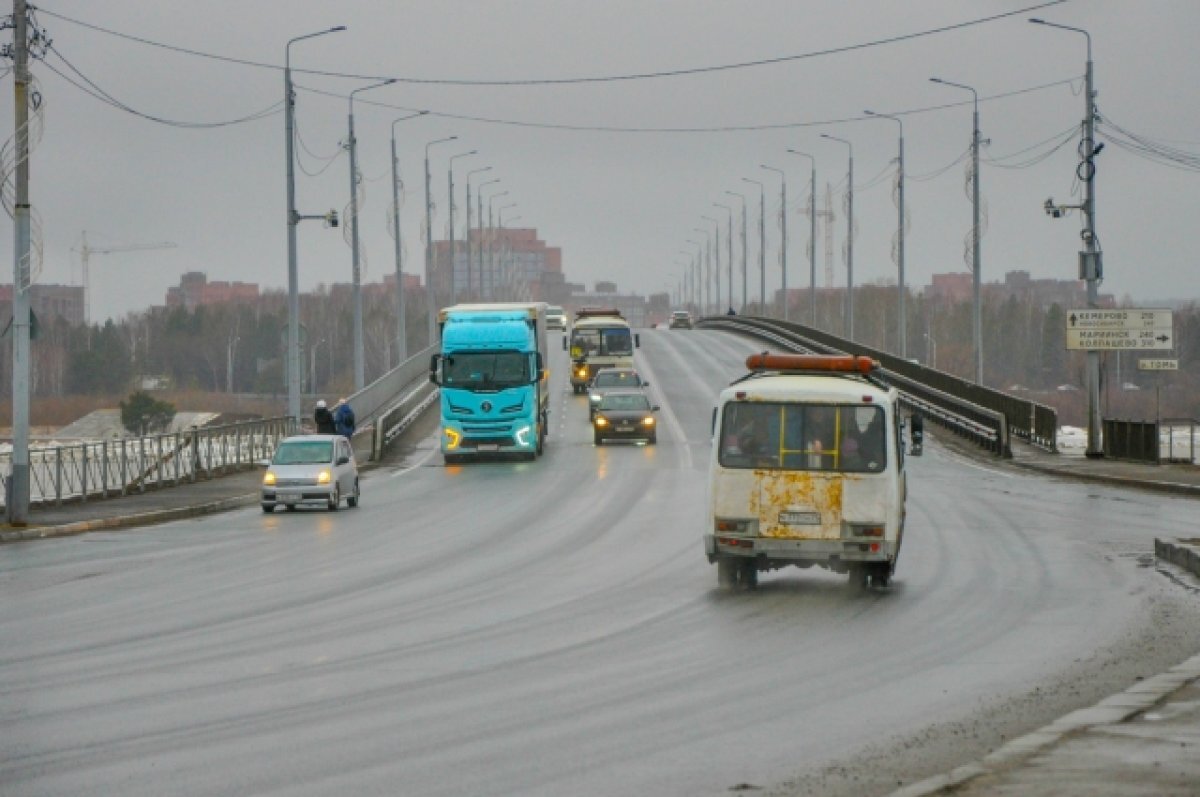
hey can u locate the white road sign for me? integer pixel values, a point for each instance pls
(1158, 365)
(1119, 339)
(1133, 318)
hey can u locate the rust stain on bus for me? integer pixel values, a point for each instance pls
(799, 490)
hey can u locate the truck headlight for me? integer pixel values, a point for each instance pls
(522, 436)
(452, 438)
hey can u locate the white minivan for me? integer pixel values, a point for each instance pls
(311, 468)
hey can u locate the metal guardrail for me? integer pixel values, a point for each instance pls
(980, 414)
(380, 396)
(108, 468)
(1132, 440)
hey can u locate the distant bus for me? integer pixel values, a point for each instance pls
(807, 469)
(600, 338)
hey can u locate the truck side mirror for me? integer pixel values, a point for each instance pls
(434, 362)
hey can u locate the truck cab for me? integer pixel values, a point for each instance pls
(491, 371)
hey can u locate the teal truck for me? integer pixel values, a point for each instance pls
(493, 379)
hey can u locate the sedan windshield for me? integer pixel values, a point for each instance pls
(486, 370)
(304, 453)
(625, 403)
(607, 378)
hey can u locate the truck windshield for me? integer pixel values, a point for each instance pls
(825, 437)
(598, 342)
(486, 370)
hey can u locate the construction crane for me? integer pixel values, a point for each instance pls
(86, 251)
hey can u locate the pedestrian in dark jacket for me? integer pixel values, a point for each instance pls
(323, 418)
(343, 419)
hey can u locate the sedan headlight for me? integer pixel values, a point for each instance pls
(269, 479)
(595, 397)
(324, 477)
(601, 420)
(648, 421)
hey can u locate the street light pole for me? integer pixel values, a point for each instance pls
(977, 323)
(729, 242)
(491, 248)
(848, 323)
(743, 198)
(762, 243)
(479, 246)
(470, 245)
(430, 296)
(502, 265)
(293, 218)
(401, 335)
(356, 273)
(901, 320)
(1093, 271)
(782, 232)
(812, 238)
(697, 273)
(450, 202)
(716, 264)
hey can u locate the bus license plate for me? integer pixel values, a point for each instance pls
(799, 518)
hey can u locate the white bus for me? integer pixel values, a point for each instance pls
(600, 338)
(807, 469)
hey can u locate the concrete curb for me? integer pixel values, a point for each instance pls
(1175, 488)
(127, 521)
(1182, 553)
(1110, 711)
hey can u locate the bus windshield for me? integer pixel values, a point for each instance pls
(787, 436)
(600, 342)
(489, 370)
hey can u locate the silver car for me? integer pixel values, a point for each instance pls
(308, 469)
(608, 379)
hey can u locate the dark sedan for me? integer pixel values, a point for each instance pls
(625, 414)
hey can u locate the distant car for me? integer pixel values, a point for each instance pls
(556, 318)
(609, 379)
(680, 319)
(625, 414)
(1130, 386)
(1066, 388)
(311, 469)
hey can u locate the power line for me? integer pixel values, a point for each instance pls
(576, 80)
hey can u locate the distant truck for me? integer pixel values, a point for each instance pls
(493, 380)
(600, 338)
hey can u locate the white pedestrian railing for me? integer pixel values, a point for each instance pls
(102, 469)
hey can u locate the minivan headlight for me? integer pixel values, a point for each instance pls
(269, 479)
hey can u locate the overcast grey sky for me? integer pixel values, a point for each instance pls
(620, 204)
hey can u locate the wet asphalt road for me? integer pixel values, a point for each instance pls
(553, 628)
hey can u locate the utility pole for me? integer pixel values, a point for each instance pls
(812, 238)
(782, 232)
(17, 501)
(430, 294)
(849, 320)
(450, 201)
(901, 320)
(1091, 267)
(294, 218)
(401, 334)
(360, 366)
